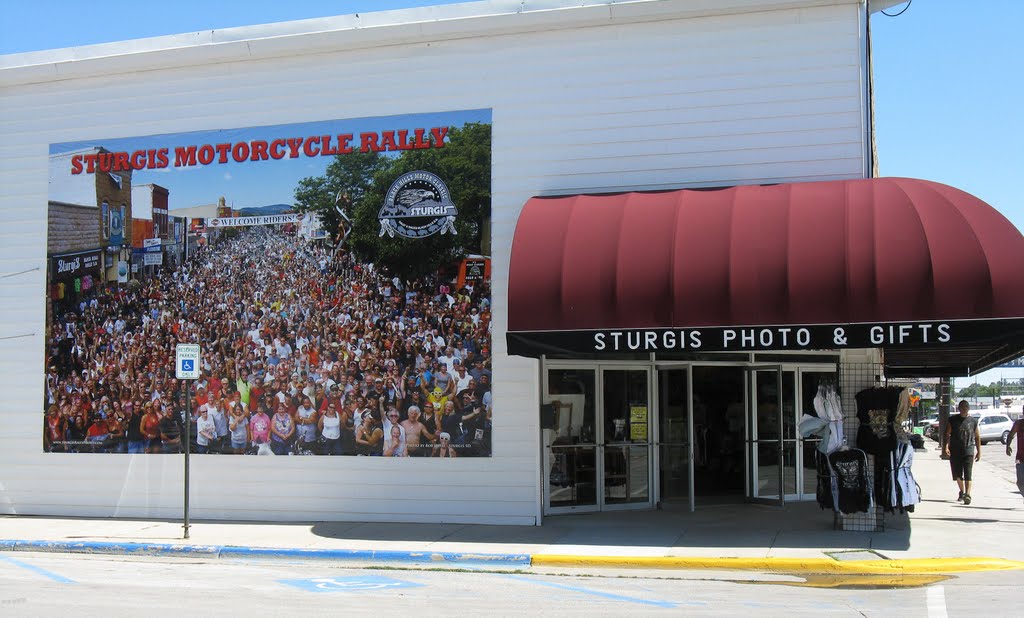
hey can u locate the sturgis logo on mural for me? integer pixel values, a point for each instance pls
(417, 205)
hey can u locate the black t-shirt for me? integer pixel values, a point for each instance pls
(876, 410)
(134, 428)
(76, 433)
(408, 359)
(169, 428)
(452, 424)
(476, 422)
(961, 435)
(851, 483)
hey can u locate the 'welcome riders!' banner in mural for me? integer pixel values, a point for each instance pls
(323, 268)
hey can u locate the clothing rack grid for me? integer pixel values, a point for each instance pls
(854, 377)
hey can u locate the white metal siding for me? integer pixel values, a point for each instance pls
(760, 97)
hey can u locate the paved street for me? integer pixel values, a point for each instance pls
(995, 467)
(33, 584)
(995, 454)
(142, 573)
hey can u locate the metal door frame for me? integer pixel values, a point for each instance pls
(653, 369)
(799, 411)
(546, 446)
(752, 438)
(651, 434)
(599, 437)
(657, 445)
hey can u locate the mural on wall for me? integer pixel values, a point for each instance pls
(335, 274)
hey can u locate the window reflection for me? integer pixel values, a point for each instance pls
(571, 393)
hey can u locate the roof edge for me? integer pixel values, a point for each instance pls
(361, 31)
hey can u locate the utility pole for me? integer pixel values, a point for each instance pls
(945, 386)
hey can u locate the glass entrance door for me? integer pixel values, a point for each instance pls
(815, 385)
(598, 454)
(675, 457)
(765, 442)
(626, 407)
(572, 463)
(722, 432)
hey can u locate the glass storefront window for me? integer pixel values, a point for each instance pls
(627, 436)
(572, 394)
(572, 477)
(674, 435)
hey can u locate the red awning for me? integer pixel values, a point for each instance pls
(887, 250)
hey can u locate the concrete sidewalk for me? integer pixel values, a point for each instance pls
(798, 537)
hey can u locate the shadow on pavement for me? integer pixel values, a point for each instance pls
(799, 526)
(974, 520)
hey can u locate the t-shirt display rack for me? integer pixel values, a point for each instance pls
(870, 473)
(853, 378)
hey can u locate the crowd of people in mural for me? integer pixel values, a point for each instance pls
(304, 352)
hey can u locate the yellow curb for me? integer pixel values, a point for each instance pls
(785, 565)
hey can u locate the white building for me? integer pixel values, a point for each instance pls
(586, 97)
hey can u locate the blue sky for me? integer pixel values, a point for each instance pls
(949, 99)
(948, 92)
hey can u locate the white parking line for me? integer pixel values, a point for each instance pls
(936, 596)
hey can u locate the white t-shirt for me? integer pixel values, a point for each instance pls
(332, 427)
(462, 383)
(240, 432)
(205, 425)
(306, 431)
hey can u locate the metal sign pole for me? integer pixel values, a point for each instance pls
(188, 443)
(187, 360)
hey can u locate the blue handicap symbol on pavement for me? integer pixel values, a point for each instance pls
(187, 364)
(360, 583)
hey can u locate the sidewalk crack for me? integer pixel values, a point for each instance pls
(771, 545)
(448, 535)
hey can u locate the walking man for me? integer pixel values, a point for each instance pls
(1017, 430)
(963, 447)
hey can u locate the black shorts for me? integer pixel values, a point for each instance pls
(962, 466)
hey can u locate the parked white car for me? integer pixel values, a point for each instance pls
(993, 426)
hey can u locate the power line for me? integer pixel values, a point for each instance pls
(909, 2)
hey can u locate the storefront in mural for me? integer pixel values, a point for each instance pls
(355, 336)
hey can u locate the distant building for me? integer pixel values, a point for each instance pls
(89, 218)
(149, 223)
(195, 223)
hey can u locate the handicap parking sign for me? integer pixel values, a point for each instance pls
(363, 583)
(186, 361)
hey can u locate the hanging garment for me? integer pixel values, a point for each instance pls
(876, 410)
(819, 403)
(899, 489)
(851, 489)
(826, 482)
(819, 427)
(902, 415)
(828, 406)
